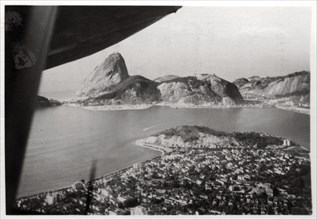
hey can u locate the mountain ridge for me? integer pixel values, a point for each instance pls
(110, 83)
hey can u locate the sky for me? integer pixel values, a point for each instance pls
(231, 42)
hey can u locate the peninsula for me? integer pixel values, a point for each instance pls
(201, 171)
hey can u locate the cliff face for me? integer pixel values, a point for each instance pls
(105, 76)
(295, 84)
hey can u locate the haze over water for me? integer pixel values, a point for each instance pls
(65, 140)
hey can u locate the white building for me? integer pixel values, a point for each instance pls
(139, 210)
(286, 142)
(50, 198)
(136, 166)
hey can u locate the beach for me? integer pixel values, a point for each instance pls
(162, 104)
(137, 143)
(188, 106)
(113, 107)
(305, 111)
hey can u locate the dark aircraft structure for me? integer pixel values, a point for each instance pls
(43, 37)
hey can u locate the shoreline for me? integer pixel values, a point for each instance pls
(148, 106)
(184, 106)
(91, 185)
(295, 109)
(161, 149)
(156, 148)
(112, 107)
(105, 176)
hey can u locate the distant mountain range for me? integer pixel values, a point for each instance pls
(293, 86)
(110, 83)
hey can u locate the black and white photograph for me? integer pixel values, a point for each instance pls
(158, 109)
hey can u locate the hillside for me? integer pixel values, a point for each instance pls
(205, 137)
(200, 89)
(187, 90)
(228, 91)
(133, 90)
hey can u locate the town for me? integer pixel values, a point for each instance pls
(193, 180)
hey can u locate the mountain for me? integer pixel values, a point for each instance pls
(110, 83)
(295, 84)
(187, 90)
(227, 90)
(292, 84)
(200, 89)
(106, 75)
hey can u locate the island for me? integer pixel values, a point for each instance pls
(201, 171)
(42, 102)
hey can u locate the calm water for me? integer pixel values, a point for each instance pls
(65, 140)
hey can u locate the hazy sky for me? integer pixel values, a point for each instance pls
(231, 42)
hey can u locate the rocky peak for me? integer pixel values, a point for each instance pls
(108, 74)
(115, 63)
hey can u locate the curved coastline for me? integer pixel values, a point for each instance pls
(136, 143)
(305, 111)
(184, 106)
(139, 143)
(103, 175)
(148, 106)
